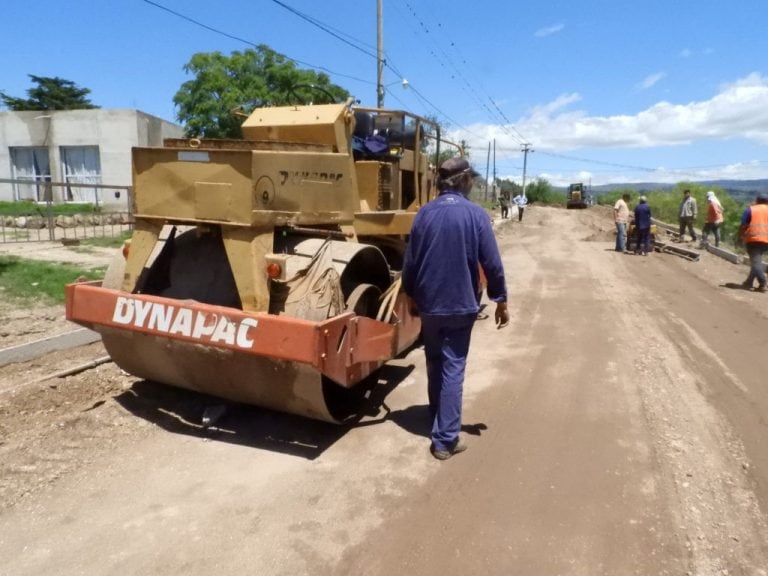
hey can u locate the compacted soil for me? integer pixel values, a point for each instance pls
(617, 426)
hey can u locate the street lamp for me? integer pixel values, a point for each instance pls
(403, 82)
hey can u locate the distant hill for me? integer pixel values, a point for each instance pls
(741, 190)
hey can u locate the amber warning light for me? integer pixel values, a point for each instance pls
(276, 266)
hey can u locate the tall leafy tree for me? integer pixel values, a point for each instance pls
(242, 81)
(508, 187)
(540, 190)
(50, 94)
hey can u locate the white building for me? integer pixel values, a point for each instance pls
(74, 146)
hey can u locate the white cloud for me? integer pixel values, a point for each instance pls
(738, 111)
(549, 30)
(686, 53)
(651, 80)
(562, 101)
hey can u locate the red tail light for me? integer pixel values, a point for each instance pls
(274, 270)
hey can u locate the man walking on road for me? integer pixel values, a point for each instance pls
(754, 233)
(504, 203)
(714, 219)
(687, 215)
(450, 239)
(621, 218)
(520, 201)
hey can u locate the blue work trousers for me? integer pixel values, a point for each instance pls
(446, 346)
(643, 241)
(621, 236)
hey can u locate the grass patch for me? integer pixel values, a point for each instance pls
(107, 241)
(27, 281)
(27, 208)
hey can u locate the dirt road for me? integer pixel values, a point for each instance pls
(616, 427)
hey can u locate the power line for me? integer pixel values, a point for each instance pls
(466, 84)
(325, 28)
(681, 172)
(320, 25)
(506, 125)
(425, 101)
(248, 42)
(601, 162)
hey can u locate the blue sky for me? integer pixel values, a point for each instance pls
(603, 91)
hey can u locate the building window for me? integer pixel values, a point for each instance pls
(31, 163)
(81, 165)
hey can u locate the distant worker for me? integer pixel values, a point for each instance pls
(754, 234)
(642, 227)
(687, 215)
(714, 219)
(504, 203)
(450, 239)
(520, 201)
(621, 218)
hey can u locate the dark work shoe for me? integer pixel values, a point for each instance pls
(760, 289)
(445, 454)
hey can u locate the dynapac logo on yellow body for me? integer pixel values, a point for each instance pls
(164, 319)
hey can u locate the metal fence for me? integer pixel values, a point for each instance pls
(42, 222)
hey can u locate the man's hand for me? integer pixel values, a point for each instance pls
(501, 315)
(739, 240)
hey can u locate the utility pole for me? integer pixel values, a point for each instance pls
(487, 164)
(494, 169)
(380, 54)
(526, 147)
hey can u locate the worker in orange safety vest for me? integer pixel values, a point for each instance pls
(754, 234)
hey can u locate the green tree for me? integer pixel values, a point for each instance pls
(223, 85)
(508, 187)
(446, 152)
(540, 190)
(50, 94)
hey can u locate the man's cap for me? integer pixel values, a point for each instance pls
(762, 198)
(643, 199)
(710, 193)
(456, 166)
